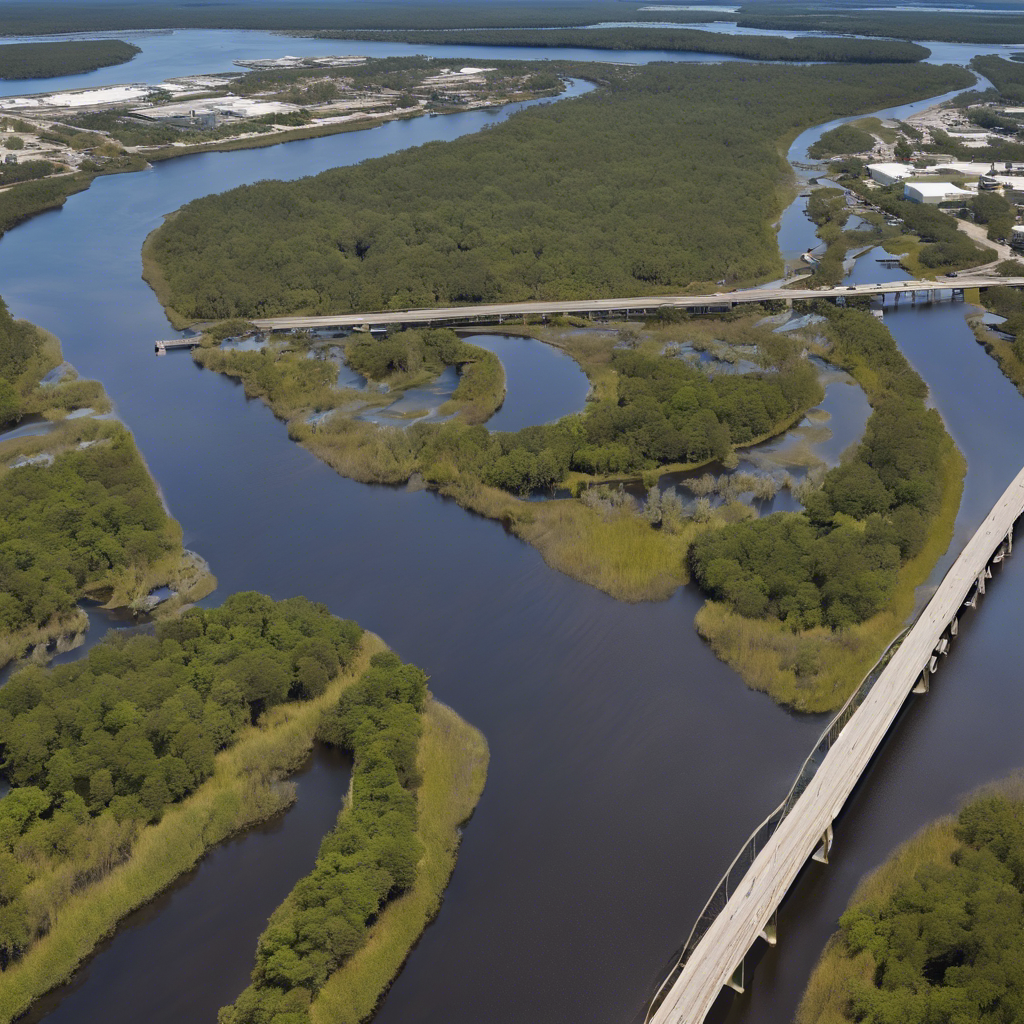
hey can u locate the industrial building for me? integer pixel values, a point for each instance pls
(886, 174)
(933, 192)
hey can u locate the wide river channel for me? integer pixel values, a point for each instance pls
(627, 763)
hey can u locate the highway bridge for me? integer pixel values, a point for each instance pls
(720, 302)
(744, 905)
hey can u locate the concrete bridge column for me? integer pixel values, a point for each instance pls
(770, 932)
(736, 981)
(921, 686)
(821, 854)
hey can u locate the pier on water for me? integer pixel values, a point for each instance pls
(743, 908)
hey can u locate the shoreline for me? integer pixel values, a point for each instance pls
(249, 786)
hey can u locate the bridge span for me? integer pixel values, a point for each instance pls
(720, 302)
(744, 905)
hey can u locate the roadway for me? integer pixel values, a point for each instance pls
(636, 304)
(721, 950)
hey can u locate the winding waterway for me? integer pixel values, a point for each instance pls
(627, 763)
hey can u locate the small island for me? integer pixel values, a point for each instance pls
(55, 59)
(82, 516)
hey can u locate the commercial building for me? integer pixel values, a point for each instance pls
(1017, 236)
(886, 174)
(933, 192)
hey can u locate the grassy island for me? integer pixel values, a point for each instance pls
(936, 932)
(82, 517)
(649, 412)
(53, 59)
(805, 603)
(167, 744)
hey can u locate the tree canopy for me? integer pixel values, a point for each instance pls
(371, 855)
(96, 747)
(53, 59)
(836, 563)
(664, 176)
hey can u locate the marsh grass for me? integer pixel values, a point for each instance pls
(453, 763)
(816, 670)
(247, 786)
(1001, 350)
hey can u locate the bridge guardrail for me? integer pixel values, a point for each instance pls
(755, 843)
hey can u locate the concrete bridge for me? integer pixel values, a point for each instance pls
(720, 302)
(743, 907)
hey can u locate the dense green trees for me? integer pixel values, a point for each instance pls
(96, 747)
(68, 525)
(370, 855)
(837, 562)
(938, 938)
(868, 51)
(86, 517)
(842, 140)
(665, 176)
(51, 60)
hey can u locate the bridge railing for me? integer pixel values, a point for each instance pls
(760, 836)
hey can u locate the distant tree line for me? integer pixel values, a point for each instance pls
(100, 746)
(748, 47)
(51, 60)
(665, 176)
(369, 857)
(836, 562)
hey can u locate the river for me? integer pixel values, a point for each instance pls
(627, 763)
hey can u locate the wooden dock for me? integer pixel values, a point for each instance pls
(161, 347)
(744, 910)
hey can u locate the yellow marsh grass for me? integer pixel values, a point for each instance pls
(246, 787)
(453, 761)
(764, 651)
(621, 554)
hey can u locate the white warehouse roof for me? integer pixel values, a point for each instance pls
(933, 189)
(891, 171)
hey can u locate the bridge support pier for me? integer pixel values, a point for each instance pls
(921, 686)
(735, 982)
(821, 854)
(954, 626)
(770, 932)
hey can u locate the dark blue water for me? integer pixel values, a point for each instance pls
(542, 384)
(628, 764)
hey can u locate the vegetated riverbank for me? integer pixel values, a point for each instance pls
(937, 929)
(83, 517)
(548, 204)
(806, 625)
(321, 101)
(243, 784)
(649, 412)
(1004, 343)
(380, 850)
(693, 40)
(51, 60)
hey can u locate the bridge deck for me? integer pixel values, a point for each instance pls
(722, 948)
(720, 300)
